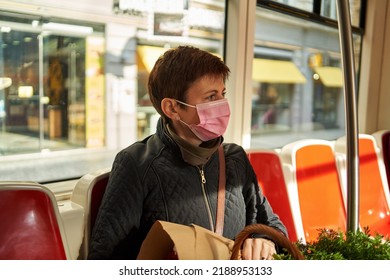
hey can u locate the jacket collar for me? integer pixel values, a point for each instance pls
(193, 155)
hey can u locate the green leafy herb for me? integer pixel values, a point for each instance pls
(338, 245)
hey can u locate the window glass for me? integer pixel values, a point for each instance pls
(74, 93)
(198, 23)
(306, 5)
(297, 81)
(328, 8)
(44, 107)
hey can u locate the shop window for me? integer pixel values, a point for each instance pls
(45, 105)
(303, 97)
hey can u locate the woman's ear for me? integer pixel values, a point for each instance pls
(168, 106)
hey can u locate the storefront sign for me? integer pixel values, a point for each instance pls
(95, 122)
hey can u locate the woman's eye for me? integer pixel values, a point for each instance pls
(215, 96)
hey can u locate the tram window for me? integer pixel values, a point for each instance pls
(297, 80)
(328, 9)
(203, 28)
(321, 8)
(306, 5)
(72, 99)
(45, 106)
(52, 110)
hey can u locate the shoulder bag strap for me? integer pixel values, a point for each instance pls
(221, 192)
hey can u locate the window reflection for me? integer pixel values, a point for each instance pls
(44, 105)
(58, 69)
(327, 9)
(303, 98)
(197, 23)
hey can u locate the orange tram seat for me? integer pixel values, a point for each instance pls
(382, 138)
(374, 194)
(31, 226)
(269, 172)
(314, 187)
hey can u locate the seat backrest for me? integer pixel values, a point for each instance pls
(30, 224)
(316, 185)
(374, 195)
(382, 138)
(88, 193)
(269, 172)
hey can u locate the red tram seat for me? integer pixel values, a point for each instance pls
(314, 188)
(374, 194)
(269, 172)
(382, 138)
(30, 224)
(88, 193)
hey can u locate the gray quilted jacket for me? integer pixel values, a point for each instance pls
(150, 181)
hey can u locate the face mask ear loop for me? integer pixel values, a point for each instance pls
(181, 102)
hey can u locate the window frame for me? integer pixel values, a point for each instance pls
(314, 16)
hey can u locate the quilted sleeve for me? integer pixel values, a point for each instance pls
(114, 235)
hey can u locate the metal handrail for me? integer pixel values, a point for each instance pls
(347, 55)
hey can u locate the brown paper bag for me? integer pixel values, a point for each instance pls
(189, 242)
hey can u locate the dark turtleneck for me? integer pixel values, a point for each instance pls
(194, 155)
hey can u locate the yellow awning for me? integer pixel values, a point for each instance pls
(5, 82)
(148, 55)
(276, 71)
(330, 76)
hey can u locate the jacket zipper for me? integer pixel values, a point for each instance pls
(203, 180)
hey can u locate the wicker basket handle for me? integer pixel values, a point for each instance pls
(275, 235)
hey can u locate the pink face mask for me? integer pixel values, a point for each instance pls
(214, 119)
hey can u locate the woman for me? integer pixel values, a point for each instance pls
(172, 175)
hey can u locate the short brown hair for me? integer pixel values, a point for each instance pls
(177, 69)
